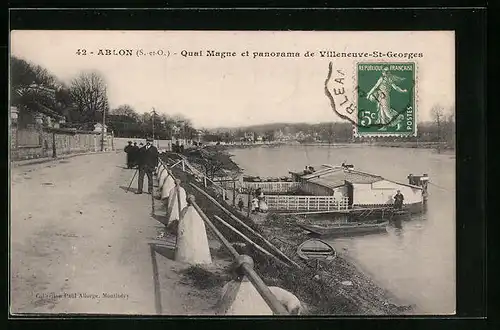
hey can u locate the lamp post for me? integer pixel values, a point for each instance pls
(153, 120)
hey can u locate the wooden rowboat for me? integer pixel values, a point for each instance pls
(316, 249)
(346, 229)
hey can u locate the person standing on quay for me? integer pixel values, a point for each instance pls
(148, 160)
(398, 200)
(133, 154)
(128, 151)
(240, 205)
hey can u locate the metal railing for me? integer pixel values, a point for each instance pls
(306, 203)
(244, 263)
(271, 187)
(187, 166)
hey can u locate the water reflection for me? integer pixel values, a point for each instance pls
(398, 230)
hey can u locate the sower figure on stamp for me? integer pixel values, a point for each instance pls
(398, 200)
(128, 151)
(148, 160)
(380, 94)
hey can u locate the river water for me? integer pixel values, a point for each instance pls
(415, 263)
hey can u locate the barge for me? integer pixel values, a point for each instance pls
(346, 230)
(341, 190)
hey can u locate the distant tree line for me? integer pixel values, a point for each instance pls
(126, 122)
(440, 129)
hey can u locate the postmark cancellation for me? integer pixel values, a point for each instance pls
(378, 98)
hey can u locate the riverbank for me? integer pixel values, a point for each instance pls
(338, 288)
(340, 281)
(441, 147)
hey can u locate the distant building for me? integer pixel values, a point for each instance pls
(41, 116)
(199, 135)
(33, 111)
(98, 128)
(278, 135)
(250, 136)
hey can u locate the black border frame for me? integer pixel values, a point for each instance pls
(470, 31)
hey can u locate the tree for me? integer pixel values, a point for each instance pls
(89, 92)
(437, 113)
(124, 121)
(214, 161)
(269, 135)
(126, 111)
(450, 128)
(326, 132)
(33, 87)
(24, 74)
(438, 117)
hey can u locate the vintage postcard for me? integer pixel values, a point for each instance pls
(232, 173)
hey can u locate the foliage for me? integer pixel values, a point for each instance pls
(214, 161)
(34, 88)
(326, 132)
(89, 92)
(441, 129)
(24, 73)
(82, 104)
(126, 113)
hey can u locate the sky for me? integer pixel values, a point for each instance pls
(237, 90)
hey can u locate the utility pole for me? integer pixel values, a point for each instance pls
(154, 113)
(102, 130)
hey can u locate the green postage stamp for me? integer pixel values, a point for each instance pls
(386, 99)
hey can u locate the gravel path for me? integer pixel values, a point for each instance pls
(76, 235)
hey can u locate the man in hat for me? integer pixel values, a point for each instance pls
(398, 200)
(128, 151)
(148, 160)
(133, 154)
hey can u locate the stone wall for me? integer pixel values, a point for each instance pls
(57, 142)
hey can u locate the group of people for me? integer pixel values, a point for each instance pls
(309, 170)
(145, 158)
(178, 148)
(132, 151)
(257, 204)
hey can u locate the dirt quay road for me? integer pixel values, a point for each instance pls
(81, 244)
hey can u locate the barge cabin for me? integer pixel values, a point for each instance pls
(363, 190)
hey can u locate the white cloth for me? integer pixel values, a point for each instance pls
(173, 205)
(255, 203)
(168, 185)
(192, 242)
(248, 300)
